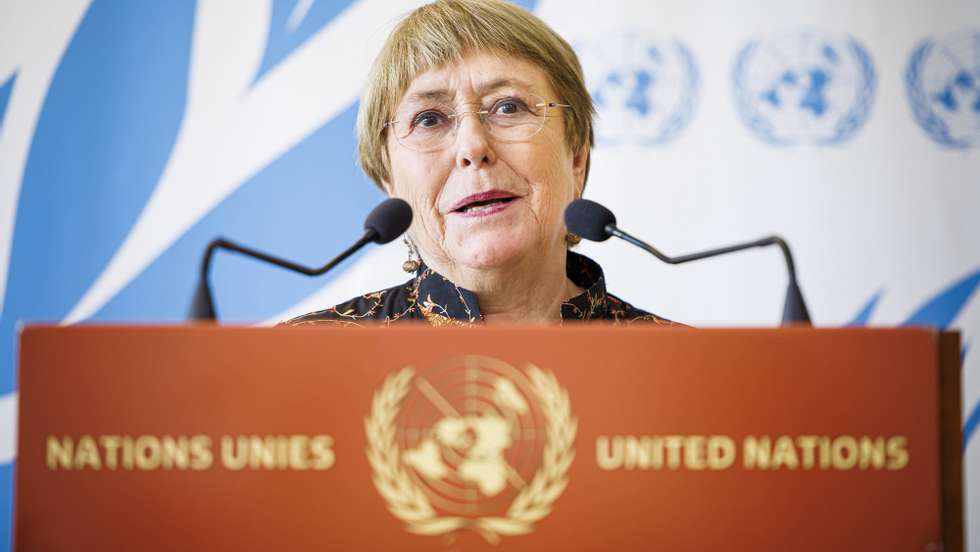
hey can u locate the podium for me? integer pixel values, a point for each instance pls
(411, 438)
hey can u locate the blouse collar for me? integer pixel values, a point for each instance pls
(444, 303)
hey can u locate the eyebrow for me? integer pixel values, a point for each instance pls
(444, 94)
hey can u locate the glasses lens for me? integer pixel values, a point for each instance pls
(516, 118)
(425, 129)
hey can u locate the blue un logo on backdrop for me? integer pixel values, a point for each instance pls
(804, 88)
(645, 89)
(943, 83)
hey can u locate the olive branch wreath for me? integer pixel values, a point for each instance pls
(408, 502)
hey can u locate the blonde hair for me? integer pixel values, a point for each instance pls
(443, 32)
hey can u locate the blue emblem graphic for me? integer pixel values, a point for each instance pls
(645, 89)
(5, 90)
(804, 88)
(939, 311)
(942, 79)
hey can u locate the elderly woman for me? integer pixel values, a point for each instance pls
(476, 114)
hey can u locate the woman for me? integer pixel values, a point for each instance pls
(476, 113)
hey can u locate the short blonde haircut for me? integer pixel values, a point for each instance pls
(442, 33)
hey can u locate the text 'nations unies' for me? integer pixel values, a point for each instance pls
(189, 452)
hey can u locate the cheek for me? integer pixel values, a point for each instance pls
(552, 183)
(420, 180)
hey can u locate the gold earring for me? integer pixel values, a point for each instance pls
(411, 264)
(571, 240)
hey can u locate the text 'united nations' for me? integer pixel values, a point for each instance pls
(718, 452)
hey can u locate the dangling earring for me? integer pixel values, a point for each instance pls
(412, 264)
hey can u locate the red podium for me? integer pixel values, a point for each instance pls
(575, 438)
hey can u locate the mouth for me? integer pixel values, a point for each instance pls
(484, 203)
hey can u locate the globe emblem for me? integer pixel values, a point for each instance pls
(472, 443)
(942, 80)
(645, 89)
(470, 434)
(804, 88)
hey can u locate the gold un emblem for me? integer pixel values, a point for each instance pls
(474, 444)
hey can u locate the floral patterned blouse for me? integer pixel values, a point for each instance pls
(432, 297)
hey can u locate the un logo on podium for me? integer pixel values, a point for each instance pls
(645, 89)
(471, 444)
(942, 79)
(804, 88)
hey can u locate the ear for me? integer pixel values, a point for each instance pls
(580, 169)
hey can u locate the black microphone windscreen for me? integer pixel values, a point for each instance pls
(588, 219)
(389, 220)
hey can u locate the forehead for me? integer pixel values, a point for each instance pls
(475, 76)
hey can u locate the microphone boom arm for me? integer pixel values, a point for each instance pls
(202, 307)
(794, 308)
(388, 220)
(221, 243)
(613, 230)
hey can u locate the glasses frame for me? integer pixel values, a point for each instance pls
(482, 114)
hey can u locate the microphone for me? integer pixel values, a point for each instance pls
(595, 222)
(390, 219)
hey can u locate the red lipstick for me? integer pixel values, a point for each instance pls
(483, 203)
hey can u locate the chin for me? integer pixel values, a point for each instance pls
(493, 250)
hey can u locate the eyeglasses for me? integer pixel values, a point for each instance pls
(510, 119)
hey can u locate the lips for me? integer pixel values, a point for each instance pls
(493, 200)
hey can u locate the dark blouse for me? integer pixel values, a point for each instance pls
(432, 297)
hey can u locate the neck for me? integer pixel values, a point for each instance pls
(529, 291)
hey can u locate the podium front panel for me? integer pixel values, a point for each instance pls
(575, 438)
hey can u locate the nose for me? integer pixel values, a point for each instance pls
(472, 143)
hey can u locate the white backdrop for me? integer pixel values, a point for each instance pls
(131, 134)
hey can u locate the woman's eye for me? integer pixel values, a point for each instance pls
(428, 119)
(509, 107)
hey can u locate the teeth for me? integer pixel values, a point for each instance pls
(482, 204)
